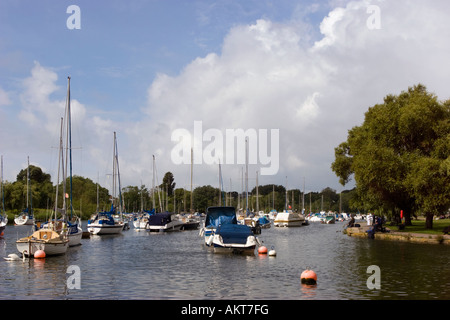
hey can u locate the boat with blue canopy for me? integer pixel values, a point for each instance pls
(216, 216)
(104, 223)
(222, 232)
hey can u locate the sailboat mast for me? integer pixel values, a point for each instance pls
(59, 167)
(191, 210)
(246, 175)
(114, 171)
(257, 193)
(153, 184)
(28, 178)
(69, 128)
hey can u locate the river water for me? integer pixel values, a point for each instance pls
(138, 265)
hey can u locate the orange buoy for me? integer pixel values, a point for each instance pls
(308, 277)
(39, 254)
(262, 250)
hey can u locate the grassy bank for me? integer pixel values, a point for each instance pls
(418, 226)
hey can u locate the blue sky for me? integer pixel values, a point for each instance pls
(146, 68)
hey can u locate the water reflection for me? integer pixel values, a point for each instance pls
(142, 265)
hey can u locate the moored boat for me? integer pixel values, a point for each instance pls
(288, 218)
(234, 238)
(216, 216)
(163, 222)
(48, 240)
(104, 223)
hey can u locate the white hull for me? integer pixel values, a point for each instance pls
(288, 219)
(105, 229)
(171, 226)
(75, 238)
(247, 248)
(23, 221)
(291, 223)
(50, 249)
(139, 224)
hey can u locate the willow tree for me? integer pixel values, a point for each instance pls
(400, 155)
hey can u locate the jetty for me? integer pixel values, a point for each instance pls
(361, 232)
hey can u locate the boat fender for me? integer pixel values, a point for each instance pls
(210, 240)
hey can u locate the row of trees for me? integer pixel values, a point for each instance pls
(400, 157)
(89, 196)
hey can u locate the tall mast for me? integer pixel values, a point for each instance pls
(28, 178)
(191, 210)
(257, 193)
(69, 137)
(246, 174)
(153, 184)
(59, 167)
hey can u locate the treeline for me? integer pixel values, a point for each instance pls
(86, 200)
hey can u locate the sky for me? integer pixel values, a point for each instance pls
(301, 72)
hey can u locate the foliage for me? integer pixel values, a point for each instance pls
(399, 156)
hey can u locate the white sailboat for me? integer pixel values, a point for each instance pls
(104, 222)
(70, 223)
(52, 238)
(288, 218)
(27, 216)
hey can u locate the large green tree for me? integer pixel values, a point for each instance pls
(399, 156)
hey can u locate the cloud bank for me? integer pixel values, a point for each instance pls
(267, 75)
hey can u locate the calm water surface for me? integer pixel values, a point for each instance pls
(143, 265)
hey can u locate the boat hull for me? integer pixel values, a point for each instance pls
(166, 228)
(75, 238)
(291, 223)
(23, 221)
(105, 229)
(234, 248)
(50, 249)
(288, 219)
(47, 240)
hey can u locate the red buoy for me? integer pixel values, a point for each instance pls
(40, 254)
(262, 250)
(308, 277)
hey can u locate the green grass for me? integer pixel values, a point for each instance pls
(418, 226)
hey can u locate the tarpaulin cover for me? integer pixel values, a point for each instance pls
(234, 233)
(263, 220)
(216, 216)
(160, 219)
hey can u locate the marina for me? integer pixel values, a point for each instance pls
(178, 265)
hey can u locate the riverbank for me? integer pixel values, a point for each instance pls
(393, 235)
